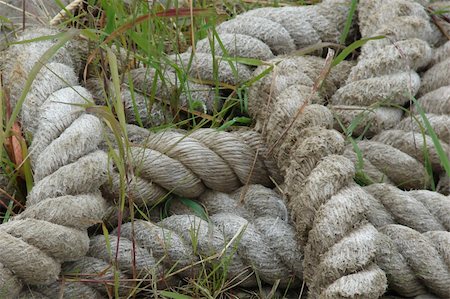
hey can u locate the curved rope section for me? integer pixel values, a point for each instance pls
(257, 34)
(247, 235)
(434, 101)
(327, 207)
(415, 264)
(334, 216)
(68, 169)
(353, 240)
(188, 163)
(386, 74)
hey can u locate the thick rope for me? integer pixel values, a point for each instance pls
(312, 179)
(340, 189)
(386, 71)
(330, 210)
(69, 169)
(435, 102)
(260, 33)
(266, 246)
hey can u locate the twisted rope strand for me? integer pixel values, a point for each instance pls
(36, 242)
(166, 248)
(390, 68)
(330, 211)
(323, 197)
(321, 193)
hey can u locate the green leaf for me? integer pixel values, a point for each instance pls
(237, 119)
(348, 22)
(352, 47)
(174, 295)
(195, 207)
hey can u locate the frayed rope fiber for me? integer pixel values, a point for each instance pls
(349, 246)
(267, 247)
(387, 73)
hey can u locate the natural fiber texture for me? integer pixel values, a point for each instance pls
(415, 262)
(188, 163)
(403, 171)
(336, 220)
(421, 210)
(414, 144)
(68, 169)
(258, 34)
(328, 209)
(331, 212)
(435, 102)
(156, 96)
(164, 251)
(407, 144)
(386, 69)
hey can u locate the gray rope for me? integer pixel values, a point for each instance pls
(71, 178)
(327, 208)
(165, 254)
(331, 212)
(385, 71)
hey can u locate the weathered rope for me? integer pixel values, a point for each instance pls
(65, 200)
(315, 172)
(315, 213)
(188, 163)
(68, 168)
(435, 102)
(260, 33)
(386, 74)
(421, 210)
(266, 246)
(330, 210)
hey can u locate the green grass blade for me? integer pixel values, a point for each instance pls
(195, 207)
(174, 295)
(440, 151)
(348, 22)
(352, 47)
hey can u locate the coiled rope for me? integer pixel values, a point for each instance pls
(69, 169)
(330, 214)
(315, 214)
(386, 74)
(65, 200)
(266, 246)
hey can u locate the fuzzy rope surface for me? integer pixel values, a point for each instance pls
(386, 71)
(69, 169)
(267, 246)
(330, 211)
(34, 243)
(317, 164)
